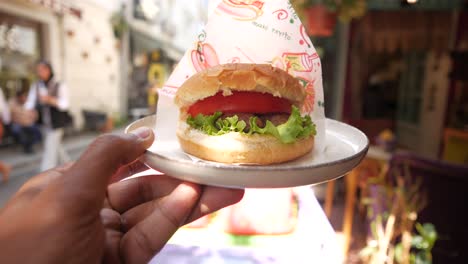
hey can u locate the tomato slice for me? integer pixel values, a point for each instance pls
(241, 102)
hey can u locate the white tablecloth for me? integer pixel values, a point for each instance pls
(315, 242)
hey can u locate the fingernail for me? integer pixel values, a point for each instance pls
(142, 132)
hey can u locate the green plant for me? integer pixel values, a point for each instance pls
(421, 245)
(346, 10)
(119, 23)
(331, 5)
(119, 120)
(393, 239)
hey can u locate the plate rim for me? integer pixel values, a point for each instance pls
(273, 167)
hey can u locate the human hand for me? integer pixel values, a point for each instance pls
(82, 213)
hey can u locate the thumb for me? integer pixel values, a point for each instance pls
(87, 179)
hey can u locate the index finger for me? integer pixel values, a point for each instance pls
(127, 194)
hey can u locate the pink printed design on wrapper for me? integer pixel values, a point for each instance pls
(303, 36)
(293, 64)
(242, 9)
(204, 57)
(279, 63)
(301, 62)
(248, 57)
(168, 90)
(309, 102)
(281, 14)
(234, 60)
(297, 62)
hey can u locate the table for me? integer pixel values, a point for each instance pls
(313, 240)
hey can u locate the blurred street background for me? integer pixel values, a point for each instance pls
(112, 55)
(396, 69)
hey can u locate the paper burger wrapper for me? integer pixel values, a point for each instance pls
(249, 31)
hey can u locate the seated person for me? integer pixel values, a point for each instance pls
(23, 122)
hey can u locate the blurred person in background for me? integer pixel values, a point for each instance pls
(50, 98)
(5, 169)
(23, 122)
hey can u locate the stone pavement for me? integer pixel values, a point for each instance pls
(27, 165)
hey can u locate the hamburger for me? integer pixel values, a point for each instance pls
(244, 113)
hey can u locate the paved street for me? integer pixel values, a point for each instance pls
(26, 166)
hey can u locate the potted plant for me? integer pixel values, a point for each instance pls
(396, 236)
(321, 15)
(119, 23)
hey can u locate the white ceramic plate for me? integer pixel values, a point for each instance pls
(345, 147)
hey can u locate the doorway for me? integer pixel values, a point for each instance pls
(398, 76)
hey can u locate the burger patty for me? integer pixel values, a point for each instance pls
(275, 118)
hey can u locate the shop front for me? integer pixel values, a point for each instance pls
(398, 72)
(77, 38)
(21, 45)
(31, 30)
(151, 67)
(154, 50)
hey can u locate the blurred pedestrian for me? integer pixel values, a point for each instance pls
(23, 122)
(5, 169)
(50, 98)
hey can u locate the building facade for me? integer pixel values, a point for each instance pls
(103, 73)
(76, 37)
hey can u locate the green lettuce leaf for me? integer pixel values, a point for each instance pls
(230, 124)
(297, 126)
(206, 124)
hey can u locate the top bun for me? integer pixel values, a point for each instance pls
(262, 78)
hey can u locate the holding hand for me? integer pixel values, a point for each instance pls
(81, 212)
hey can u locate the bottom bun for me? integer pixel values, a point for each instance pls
(240, 148)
